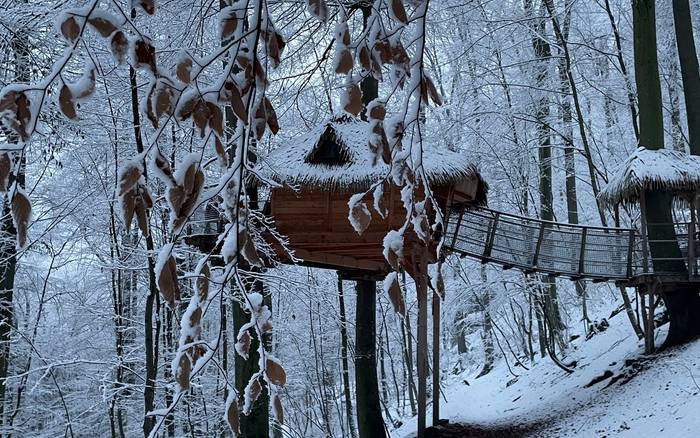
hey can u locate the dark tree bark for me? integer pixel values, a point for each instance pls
(370, 423)
(689, 70)
(8, 233)
(683, 306)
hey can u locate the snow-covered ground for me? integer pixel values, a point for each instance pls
(661, 400)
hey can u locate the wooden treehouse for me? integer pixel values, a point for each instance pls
(319, 174)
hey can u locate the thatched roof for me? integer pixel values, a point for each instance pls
(645, 169)
(335, 156)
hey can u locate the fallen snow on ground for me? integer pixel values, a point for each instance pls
(661, 400)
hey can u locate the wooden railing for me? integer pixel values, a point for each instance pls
(576, 251)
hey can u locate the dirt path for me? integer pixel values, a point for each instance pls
(457, 430)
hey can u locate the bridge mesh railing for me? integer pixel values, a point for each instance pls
(535, 245)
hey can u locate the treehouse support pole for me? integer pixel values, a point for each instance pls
(436, 358)
(370, 423)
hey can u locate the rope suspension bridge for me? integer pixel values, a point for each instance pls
(576, 251)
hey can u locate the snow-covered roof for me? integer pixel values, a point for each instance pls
(293, 163)
(645, 169)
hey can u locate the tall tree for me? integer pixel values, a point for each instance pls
(543, 55)
(689, 70)
(683, 308)
(8, 233)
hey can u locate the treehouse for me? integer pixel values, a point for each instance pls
(663, 186)
(319, 173)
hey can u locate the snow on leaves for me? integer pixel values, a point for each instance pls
(189, 350)
(16, 112)
(134, 196)
(184, 188)
(359, 215)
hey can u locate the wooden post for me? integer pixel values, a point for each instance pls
(645, 232)
(691, 238)
(491, 236)
(582, 253)
(630, 255)
(538, 246)
(436, 358)
(370, 423)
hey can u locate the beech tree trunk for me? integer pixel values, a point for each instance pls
(689, 70)
(683, 307)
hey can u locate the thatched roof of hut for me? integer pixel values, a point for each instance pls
(663, 169)
(335, 156)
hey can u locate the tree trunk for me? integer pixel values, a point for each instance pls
(344, 359)
(8, 233)
(257, 423)
(370, 423)
(689, 70)
(683, 307)
(543, 54)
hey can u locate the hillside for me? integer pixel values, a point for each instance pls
(637, 396)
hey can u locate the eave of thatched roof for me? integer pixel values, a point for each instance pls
(289, 164)
(663, 169)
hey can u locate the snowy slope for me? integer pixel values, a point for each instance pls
(661, 400)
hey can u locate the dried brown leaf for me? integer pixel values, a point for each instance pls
(345, 62)
(167, 283)
(431, 91)
(237, 103)
(70, 29)
(145, 54)
(396, 297)
(129, 178)
(232, 417)
(253, 391)
(21, 212)
(216, 118)
(164, 101)
(203, 282)
(119, 46)
(141, 215)
(103, 26)
(399, 11)
(228, 24)
(183, 69)
(277, 409)
(182, 374)
(354, 100)
(271, 117)
(66, 104)
(275, 373)
(149, 6)
(364, 58)
(5, 169)
(243, 345)
(360, 214)
(128, 201)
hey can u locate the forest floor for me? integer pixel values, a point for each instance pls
(614, 391)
